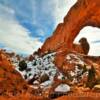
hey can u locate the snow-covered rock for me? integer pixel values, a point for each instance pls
(42, 71)
(39, 67)
(62, 88)
(72, 58)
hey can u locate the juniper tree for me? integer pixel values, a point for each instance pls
(91, 77)
(22, 65)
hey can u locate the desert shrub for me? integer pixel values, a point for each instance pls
(91, 78)
(63, 78)
(84, 69)
(22, 65)
(34, 64)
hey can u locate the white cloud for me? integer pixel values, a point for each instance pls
(61, 9)
(92, 34)
(14, 35)
(52, 11)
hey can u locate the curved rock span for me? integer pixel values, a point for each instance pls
(83, 13)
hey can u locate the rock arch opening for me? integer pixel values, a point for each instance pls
(93, 36)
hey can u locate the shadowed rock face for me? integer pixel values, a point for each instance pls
(83, 13)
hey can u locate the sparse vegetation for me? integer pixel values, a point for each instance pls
(91, 78)
(84, 69)
(22, 65)
(34, 64)
(63, 78)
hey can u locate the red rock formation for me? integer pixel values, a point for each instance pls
(12, 85)
(83, 13)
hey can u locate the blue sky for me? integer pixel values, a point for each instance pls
(25, 24)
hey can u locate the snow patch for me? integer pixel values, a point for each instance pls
(62, 88)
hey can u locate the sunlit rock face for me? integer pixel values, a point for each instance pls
(80, 15)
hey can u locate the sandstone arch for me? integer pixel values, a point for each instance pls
(83, 13)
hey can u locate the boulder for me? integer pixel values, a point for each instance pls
(44, 78)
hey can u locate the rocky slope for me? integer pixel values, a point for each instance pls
(40, 79)
(78, 73)
(12, 85)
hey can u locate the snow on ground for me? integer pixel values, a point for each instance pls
(62, 88)
(39, 67)
(73, 58)
(41, 71)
